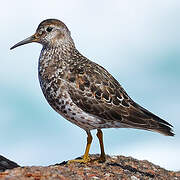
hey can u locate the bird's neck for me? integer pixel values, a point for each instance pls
(61, 51)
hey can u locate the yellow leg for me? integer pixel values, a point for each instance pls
(100, 137)
(86, 158)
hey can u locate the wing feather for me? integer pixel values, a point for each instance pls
(97, 92)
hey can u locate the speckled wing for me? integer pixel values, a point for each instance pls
(98, 93)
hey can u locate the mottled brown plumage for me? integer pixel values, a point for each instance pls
(84, 92)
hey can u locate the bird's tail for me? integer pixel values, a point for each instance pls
(144, 119)
(164, 129)
(161, 126)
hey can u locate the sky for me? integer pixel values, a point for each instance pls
(137, 41)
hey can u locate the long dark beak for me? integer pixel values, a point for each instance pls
(25, 41)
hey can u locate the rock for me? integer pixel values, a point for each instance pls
(118, 167)
(6, 164)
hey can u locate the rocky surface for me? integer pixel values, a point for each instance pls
(6, 164)
(116, 167)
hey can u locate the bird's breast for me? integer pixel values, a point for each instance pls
(55, 90)
(51, 75)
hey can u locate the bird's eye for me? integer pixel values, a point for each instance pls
(49, 29)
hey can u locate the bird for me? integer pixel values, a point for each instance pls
(83, 92)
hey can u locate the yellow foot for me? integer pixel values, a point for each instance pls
(84, 160)
(102, 159)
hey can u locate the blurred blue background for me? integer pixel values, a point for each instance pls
(137, 41)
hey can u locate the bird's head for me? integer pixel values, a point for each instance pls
(50, 33)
